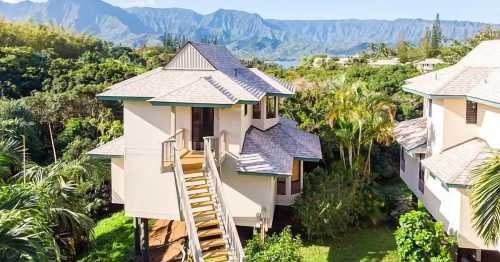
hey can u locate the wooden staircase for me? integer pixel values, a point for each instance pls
(205, 211)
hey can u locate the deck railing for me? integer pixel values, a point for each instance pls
(185, 209)
(231, 232)
(167, 151)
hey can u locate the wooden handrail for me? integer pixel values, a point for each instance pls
(184, 206)
(228, 222)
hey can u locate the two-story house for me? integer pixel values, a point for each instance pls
(204, 142)
(439, 151)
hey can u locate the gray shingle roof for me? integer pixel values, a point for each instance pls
(454, 165)
(110, 149)
(230, 78)
(411, 133)
(480, 68)
(272, 151)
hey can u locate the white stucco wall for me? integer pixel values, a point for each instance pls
(117, 180)
(443, 203)
(410, 175)
(230, 121)
(149, 193)
(247, 195)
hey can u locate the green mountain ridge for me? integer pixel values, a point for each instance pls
(246, 34)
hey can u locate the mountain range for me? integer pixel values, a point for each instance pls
(246, 34)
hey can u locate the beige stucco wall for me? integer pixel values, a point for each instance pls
(435, 125)
(489, 124)
(410, 175)
(117, 180)
(455, 128)
(247, 195)
(149, 193)
(467, 237)
(183, 120)
(230, 121)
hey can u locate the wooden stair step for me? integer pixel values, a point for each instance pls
(203, 214)
(221, 258)
(207, 223)
(200, 195)
(194, 173)
(207, 244)
(209, 232)
(215, 253)
(197, 187)
(196, 179)
(202, 204)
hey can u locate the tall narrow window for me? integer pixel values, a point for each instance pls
(429, 108)
(256, 111)
(246, 109)
(471, 113)
(402, 159)
(421, 175)
(271, 107)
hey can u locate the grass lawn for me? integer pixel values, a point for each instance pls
(367, 245)
(114, 240)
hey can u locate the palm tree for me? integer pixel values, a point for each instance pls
(24, 232)
(485, 199)
(10, 157)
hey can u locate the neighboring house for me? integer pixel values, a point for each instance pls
(461, 123)
(204, 142)
(344, 61)
(384, 62)
(428, 64)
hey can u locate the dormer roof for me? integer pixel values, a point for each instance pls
(200, 74)
(476, 77)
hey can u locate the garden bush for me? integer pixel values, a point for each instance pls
(419, 238)
(282, 247)
(334, 202)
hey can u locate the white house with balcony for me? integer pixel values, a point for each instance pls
(460, 126)
(204, 143)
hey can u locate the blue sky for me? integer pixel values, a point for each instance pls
(471, 10)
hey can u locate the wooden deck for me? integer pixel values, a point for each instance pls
(166, 241)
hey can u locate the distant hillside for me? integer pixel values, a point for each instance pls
(246, 34)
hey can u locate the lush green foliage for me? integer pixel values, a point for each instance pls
(280, 247)
(334, 202)
(418, 238)
(485, 199)
(113, 240)
(372, 244)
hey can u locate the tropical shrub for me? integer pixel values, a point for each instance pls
(282, 247)
(418, 238)
(333, 202)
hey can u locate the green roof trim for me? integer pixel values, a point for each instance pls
(264, 174)
(305, 159)
(156, 103)
(247, 102)
(123, 98)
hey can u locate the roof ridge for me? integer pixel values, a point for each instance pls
(220, 88)
(465, 142)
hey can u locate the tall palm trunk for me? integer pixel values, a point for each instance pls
(368, 163)
(52, 142)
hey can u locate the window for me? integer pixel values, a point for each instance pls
(402, 159)
(246, 109)
(421, 175)
(471, 113)
(296, 177)
(256, 111)
(429, 108)
(271, 107)
(281, 186)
